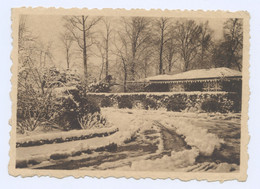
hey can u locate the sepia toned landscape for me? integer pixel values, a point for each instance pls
(129, 93)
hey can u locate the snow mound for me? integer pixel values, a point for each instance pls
(194, 136)
(175, 161)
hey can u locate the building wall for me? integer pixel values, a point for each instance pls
(228, 86)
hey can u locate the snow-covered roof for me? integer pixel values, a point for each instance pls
(212, 73)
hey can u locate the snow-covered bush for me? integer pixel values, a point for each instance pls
(210, 105)
(106, 102)
(221, 104)
(89, 121)
(176, 104)
(34, 109)
(125, 102)
(150, 103)
(99, 87)
(232, 102)
(74, 108)
(37, 100)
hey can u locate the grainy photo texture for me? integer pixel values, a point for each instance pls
(143, 94)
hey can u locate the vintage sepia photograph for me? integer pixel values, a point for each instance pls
(120, 93)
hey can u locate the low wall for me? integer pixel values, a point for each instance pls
(172, 101)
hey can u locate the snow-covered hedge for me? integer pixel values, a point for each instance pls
(172, 101)
(64, 136)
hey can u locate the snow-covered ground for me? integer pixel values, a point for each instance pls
(151, 140)
(205, 133)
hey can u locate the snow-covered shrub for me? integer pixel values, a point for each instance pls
(99, 87)
(210, 105)
(89, 121)
(37, 99)
(232, 102)
(33, 109)
(26, 125)
(65, 113)
(226, 105)
(106, 102)
(125, 101)
(149, 103)
(221, 103)
(71, 108)
(176, 104)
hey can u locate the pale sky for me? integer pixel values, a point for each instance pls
(48, 28)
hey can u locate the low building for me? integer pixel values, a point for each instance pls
(214, 79)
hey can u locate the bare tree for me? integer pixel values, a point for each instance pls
(67, 41)
(102, 56)
(45, 52)
(81, 29)
(29, 76)
(187, 36)
(228, 52)
(147, 61)
(122, 54)
(170, 52)
(106, 39)
(233, 39)
(24, 34)
(27, 46)
(136, 34)
(205, 47)
(32, 78)
(124, 63)
(104, 45)
(162, 36)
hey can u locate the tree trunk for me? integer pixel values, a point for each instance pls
(84, 52)
(68, 63)
(186, 65)
(44, 60)
(161, 54)
(170, 66)
(202, 58)
(125, 73)
(133, 67)
(125, 81)
(102, 67)
(145, 69)
(107, 55)
(170, 57)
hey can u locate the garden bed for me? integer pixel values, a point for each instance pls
(65, 136)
